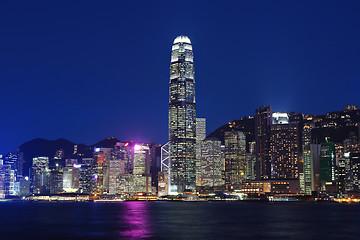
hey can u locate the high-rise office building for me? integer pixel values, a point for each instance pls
(305, 172)
(327, 165)
(85, 180)
(16, 160)
(141, 178)
(200, 136)
(315, 150)
(41, 175)
(251, 162)
(117, 167)
(284, 147)
(341, 168)
(235, 159)
(56, 181)
(352, 150)
(211, 163)
(182, 116)
(8, 176)
(71, 176)
(100, 171)
(263, 121)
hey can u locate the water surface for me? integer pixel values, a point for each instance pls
(179, 220)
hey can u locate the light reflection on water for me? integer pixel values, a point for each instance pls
(179, 220)
(135, 218)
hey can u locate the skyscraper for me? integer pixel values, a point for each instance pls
(141, 178)
(235, 159)
(40, 167)
(305, 172)
(182, 116)
(100, 171)
(71, 177)
(327, 165)
(353, 153)
(284, 146)
(212, 163)
(117, 167)
(200, 136)
(263, 121)
(251, 162)
(16, 160)
(86, 176)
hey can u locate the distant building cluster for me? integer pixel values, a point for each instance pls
(317, 152)
(284, 153)
(123, 169)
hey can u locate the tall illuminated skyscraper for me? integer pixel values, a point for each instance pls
(284, 146)
(182, 116)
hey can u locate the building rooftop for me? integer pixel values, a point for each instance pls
(182, 39)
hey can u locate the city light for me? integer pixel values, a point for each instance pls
(77, 165)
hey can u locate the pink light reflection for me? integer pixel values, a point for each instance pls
(136, 220)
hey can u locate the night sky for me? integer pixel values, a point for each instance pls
(86, 70)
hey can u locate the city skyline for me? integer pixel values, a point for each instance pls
(118, 116)
(84, 78)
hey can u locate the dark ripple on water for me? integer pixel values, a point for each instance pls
(178, 220)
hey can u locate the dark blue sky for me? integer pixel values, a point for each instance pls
(86, 70)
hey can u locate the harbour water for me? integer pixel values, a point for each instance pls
(179, 220)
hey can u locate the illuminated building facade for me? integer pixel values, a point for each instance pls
(86, 177)
(286, 186)
(117, 167)
(263, 121)
(284, 147)
(100, 171)
(305, 171)
(341, 168)
(315, 166)
(352, 149)
(212, 164)
(163, 183)
(355, 172)
(16, 160)
(327, 165)
(141, 177)
(71, 177)
(182, 116)
(56, 181)
(251, 162)
(25, 184)
(235, 158)
(40, 171)
(8, 179)
(200, 136)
